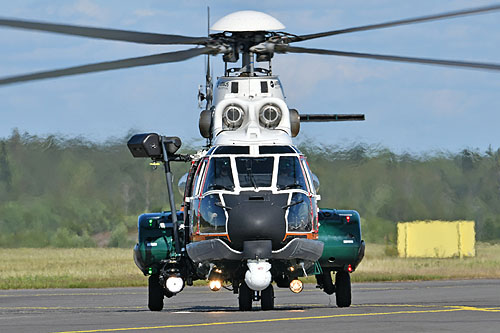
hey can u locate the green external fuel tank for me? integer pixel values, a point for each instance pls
(340, 231)
(155, 241)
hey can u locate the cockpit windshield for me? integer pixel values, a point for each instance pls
(255, 171)
(290, 175)
(219, 175)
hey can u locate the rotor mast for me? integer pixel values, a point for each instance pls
(247, 62)
(252, 46)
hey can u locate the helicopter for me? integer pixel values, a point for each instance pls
(250, 213)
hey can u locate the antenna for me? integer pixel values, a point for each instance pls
(208, 20)
(208, 78)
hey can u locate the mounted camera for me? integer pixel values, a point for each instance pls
(153, 145)
(161, 148)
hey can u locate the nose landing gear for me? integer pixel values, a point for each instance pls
(247, 296)
(267, 298)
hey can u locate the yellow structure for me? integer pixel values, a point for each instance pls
(436, 239)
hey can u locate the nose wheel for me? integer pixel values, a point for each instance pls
(246, 296)
(267, 298)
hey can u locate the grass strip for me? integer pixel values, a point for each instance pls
(26, 268)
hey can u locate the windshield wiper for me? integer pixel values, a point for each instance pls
(252, 179)
(293, 203)
(220, 187)
(219, 204)
(290, 186)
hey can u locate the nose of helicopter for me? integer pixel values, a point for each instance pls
(256, 217)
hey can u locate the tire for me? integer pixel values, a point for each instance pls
(267, 298)
(155, 293)
(328, 286)
(343, 289)
(245, 297)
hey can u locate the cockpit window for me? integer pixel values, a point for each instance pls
(255, 171)
(219, 175)
(232, 150)
(290, 175)
(276, 150)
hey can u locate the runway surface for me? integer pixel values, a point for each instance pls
(455, 306)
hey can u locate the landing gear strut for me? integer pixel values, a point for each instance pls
(341, 288)
(324, 281)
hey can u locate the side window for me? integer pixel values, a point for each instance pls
(219, 175)
(212, 217)
(290, 175)
(186, 182)
(199, 177)
(300, 215)
(312, 180)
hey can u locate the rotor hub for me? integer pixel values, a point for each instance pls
(247, 20)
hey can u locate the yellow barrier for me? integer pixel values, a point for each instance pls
(436, 239)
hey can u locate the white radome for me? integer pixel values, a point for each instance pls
(258, 276)
(247, 20)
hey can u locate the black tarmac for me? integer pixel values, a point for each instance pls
(454, 306)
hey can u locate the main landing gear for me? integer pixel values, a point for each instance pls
(155, 293)
(247, 296)
(341, 288)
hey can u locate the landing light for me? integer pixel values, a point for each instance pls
(175, 284)
(296, 286)
(215, 285)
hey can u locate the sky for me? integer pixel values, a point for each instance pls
(408, 107)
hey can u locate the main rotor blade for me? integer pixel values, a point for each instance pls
(451, 63)
(478, 10)
(109, 65)
(102, 33)
(310, 118)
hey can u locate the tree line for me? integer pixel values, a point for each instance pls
(72, 192)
